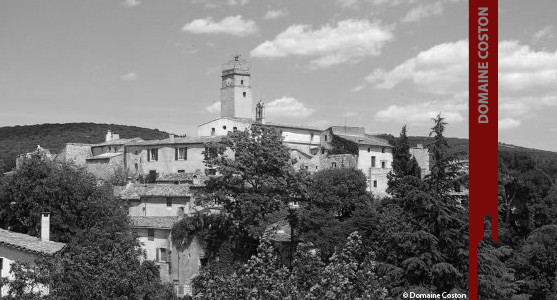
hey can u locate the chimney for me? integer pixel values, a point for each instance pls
(45, 226)
(108, 137)
(115, 136)
(171, 137)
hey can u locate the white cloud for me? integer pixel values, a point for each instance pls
(422, 113)
(521, 68)
(220, 3)
(347, 41)
(131, 3)
(129, 77)
(233, 25)
(546, 32)
(275, 14)
(527, 81)
(287, 107)
(236, 2)
(422, 11)
(213, 108)
(508, 123)
(390, 3)
(442, 69)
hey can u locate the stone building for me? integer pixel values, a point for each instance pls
(25, 248)
(310, 148)
(154, 209)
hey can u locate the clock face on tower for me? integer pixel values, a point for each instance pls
(228, 81)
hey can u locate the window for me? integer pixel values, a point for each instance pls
(326, 136)
(235, 128)
(181, 171)
(151, 234)
(136, 152)
(322, 150)
(162, 255)
(1, 263)
(383, 150)
(168, 201)
(136, 166)
(213, 131)
(181, 153)
(373, 161)
(244, 94)
(375, 183)
(153, 154)
(334, 164)
(224, 127)
(242, 82)
(152, 177)
(368, 149)
(383, 165)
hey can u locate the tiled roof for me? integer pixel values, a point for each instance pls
(183, 177)
(366, 140)
(107, 155)
(136, 191)
(29, 243)
(154, 222)
(271, 124)
(178, 140)
(293, 126)
(241, 120)
(118, 142)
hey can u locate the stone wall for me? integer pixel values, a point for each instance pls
(422, 156)
(76, 153)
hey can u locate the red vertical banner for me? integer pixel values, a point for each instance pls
(483, 48)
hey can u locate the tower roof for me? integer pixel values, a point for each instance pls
(236, 65)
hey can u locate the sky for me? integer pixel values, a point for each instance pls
(379, 64)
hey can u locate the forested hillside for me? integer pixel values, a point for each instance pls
(15, 140)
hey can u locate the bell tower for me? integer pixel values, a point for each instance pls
(235, 93)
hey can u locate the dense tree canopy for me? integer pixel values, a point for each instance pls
(102, 258)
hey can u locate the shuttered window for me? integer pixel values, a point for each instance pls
(181, 153)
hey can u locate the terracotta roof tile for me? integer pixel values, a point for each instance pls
(29, 243)
(118, 142)
(178, 140)
(136, 191)
(154, 222)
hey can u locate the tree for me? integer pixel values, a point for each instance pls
(102, 258)
(536, 264)
(69, 193)
(404, 165)
(445, 169)
(254, 184)
(351, 274)
(338, 202)
(424, 250)
(339, 191)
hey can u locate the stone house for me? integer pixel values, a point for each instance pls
(25, 248)
(154, 209)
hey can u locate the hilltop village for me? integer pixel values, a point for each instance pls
(163, 174)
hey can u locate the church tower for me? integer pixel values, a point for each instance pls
(235, 93)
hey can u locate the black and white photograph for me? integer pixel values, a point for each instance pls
(257, 149)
